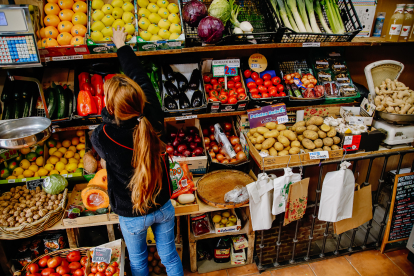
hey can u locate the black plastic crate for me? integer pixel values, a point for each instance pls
(349, 18)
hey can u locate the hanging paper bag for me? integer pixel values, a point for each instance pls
(297, 200)
(281, 187)
(361, 212)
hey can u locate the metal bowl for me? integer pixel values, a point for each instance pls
(400, 119)
(25, 132)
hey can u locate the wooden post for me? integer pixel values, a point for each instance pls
(192, 248)
(111, 233)
(73, 235)
(5, 265)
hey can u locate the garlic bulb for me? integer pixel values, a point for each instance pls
(238, 31)
(246, 27)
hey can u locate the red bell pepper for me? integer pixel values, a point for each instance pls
(97, 84)
(99, 102)
(86, 104)
(88, 87)
(109, 76)
(83, 78)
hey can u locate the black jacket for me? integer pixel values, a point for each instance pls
(118, 159)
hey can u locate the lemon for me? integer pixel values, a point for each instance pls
(39, 161)
(162, 3)
(32, 163)
(172, 8)
(154, 18)
(155, 38)
(164, 24)
(48, 161)
(25, 151)
(52, 150)
(117, 14)
(175, 28)
(28, 173)
(144, 23)
(62, 172)
(49, 167)
(36, 174)
(81, 160)
(127, 7)
(58, 145)
(121, 24)
(72, 148)
(107, 9)
(97, 4)
(153, 1)
(63, 160)
(145, 35)
(108, 20)
(153, 8)
(143, 12)
(54, 159)
(97, 15)
(82, 139)
(129, 28)
(71, 167)
(69, 154)
(80, 133)
(53, 172)
(174, 18)
(153, 29)
(143, 3)
(73, 161)
(174, 36)
(164, 34)
(67, 143)
(20, 176)
(128, 17)
(57, 154)
(80, 165)
(59, 166)
(25, 164)
(76, 156)
(117, 3)
(63, 150)
(34, 168)
(97, 36)
(42, 172)
(11, 177)
(17, 171)
(163, 12)
(97, 26)
(82, 153)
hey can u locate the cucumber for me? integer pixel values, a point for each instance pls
(69, 100)
(18, 106)
(26, 104)
(101, 211)
(62, 107)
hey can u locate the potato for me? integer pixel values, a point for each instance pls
(262, 130)
(300, 129)
(295, 144)
(321, 134)
(336, 140)
(271, 134)
(308, 144)
(273, 152)
(327, 148)
(256, 134)
(294, 150)
(317, 149)
(307, 151)
(278, 146)
(301, 137)
(282, 139)
(293, 128)
(283, 153)
(248, 134)
(325, 127)
(290, 135)
(310, 134)
(331, 132)
(335, 147)
(253, 131)
(271, 125)
(318, 143)
(328, 141)
(260, 139)
(315, 120)
(280, 127)
(287, 148)
(313, 127)
(264, 151)
(268, 143)
(300, 123)
(258, 146)
(254, 141)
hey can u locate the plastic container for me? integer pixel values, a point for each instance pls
(331, 89)
(379, 23)
(347, 90)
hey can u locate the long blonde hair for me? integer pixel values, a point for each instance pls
(126, 100)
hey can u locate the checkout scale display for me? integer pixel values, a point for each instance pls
(18, 46)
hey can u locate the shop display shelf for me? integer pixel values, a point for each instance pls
(245, 230)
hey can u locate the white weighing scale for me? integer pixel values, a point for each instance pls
(396, 134)
(18, 47)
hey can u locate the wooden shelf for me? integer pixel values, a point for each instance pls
(244, 230)
(207, 266)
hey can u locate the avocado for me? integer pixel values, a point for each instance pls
(4, 173)
(51, 143)
(12, 164)
(31, 156)
(39, 150)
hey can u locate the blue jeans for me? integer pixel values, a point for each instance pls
(134, 230)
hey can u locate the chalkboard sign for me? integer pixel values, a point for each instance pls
(401, 217)
(102, 254)
(31, 185)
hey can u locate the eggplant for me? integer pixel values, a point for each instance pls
(194, 79)
(168, 72)
(170, 103)
(183, 101)
(197, 99)
(181, 81)
(172, 90)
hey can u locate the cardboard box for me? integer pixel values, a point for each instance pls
(169, 44)
(197, 165)
(239, 242)
(357, 119)
(234, 228)
(237, 255)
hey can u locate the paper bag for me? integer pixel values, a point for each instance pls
(281, 187)
(361, 212)
(297, 200)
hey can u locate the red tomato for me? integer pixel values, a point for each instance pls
(43, 261)
(268, 83)
(47, 271)
(213, 99)
(75, 265)
(54, 262)
(240, 90)
(266, 77)
(232, 93)
(237, 78)
(216, 86)
(247, 73)
(110, 270)
(273, 93)
(54, 274)
(114, 264)
(33, 268)
(94, 269)
(223, 99)
(230, 84)
(64, 263)
(272, 88)
(78, 272)
(221, 80)
(254, 90)
(280, 88)
(63, 270)
(206, 78)
(241, 96)
(276, 80)
(223, 91)
(83, 261)
(214, 93)
(256, 96)
(34, 274)
(74, 256)
(251, 85)
(66, 275)
(262, 89)
(91, 274)
(232, 100)
(213, 81)
(259, 81)
(282, 94)
(100, 274)
(238, 84)
(255, 76)
(265, 95)
(209, 87)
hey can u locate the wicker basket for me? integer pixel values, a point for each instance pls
(378, 71)
(31, 229)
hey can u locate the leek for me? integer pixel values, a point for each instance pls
(303, 15)
(318, 11)
(235, 9)
(291, 20)
(298, 20)
(335, 4)
(282, 12)
(334, 17)
(312, 19)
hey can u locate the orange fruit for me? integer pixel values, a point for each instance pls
(66, 15)
(52, 1)
(78, 30)
(64, 38)
(79, 18)
(52, 8)
(79, 6)
(65, 26)
(51, 20)
(39, 44)
(51, 32)
(77, 40)
(51, 42)
(44, 42)
(65, 4)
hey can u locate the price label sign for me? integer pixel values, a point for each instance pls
(31, 185)
(258, 63)
(230, 71)
(311, 44)
(319, 155)
(282, 119)
(225, 67)
(102, 254)
(8, 154)
(218, 70)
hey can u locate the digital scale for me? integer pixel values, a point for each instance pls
(18, 46)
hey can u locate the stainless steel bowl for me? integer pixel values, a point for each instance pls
(24, 132)
(400, 119)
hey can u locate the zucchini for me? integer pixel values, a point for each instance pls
(87, 213)
(26, 103)
(18, 106)
(69, 100)
(62, 107)
(51, 106)
(101, 211)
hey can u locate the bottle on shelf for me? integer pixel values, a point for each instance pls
(222, 250)
(408, 23)
(379, 23)
(396, 22)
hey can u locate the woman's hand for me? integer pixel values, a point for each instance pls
(118, 37)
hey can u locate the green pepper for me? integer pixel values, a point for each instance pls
(155, 85)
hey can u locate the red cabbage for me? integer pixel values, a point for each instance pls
(210, 29)
(193, 12)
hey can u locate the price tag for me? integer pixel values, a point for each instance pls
(102, 254)
(31, 185)
(319, 155)
(230, 71)
(65, 175)
(185, 117)
(282, 119)
(70, 175)
(258, 63)
(218, 70)
(8, 154)
(23, 180)
(11, 180)
(356, 121)
(67, 58)
(311, 44)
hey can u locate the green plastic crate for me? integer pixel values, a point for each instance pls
(341, 99)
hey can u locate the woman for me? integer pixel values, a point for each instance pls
(138, 176)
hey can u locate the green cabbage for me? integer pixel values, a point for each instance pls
(221, 10)
(54, 184)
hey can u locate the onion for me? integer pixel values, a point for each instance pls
(197, 139)
(227, 133)
(222, 151)
(206, 132)
(181, 133)
(211, 128)
(206, 140)
(173, 135)
(214, 160)
(193, 145)
(227, 126)
(215, 148)
(176, 142)
(192, 130)
(212, 138)
(198, 151)
(175, 153)
(233, 160)
(234, 140)
(238, 148)
(225, 161)
(189, 138)
(169, 149)
(241, 155)
(181, 148)
(187, 153)
(213, 143)
(220, 157)
(212, 154)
